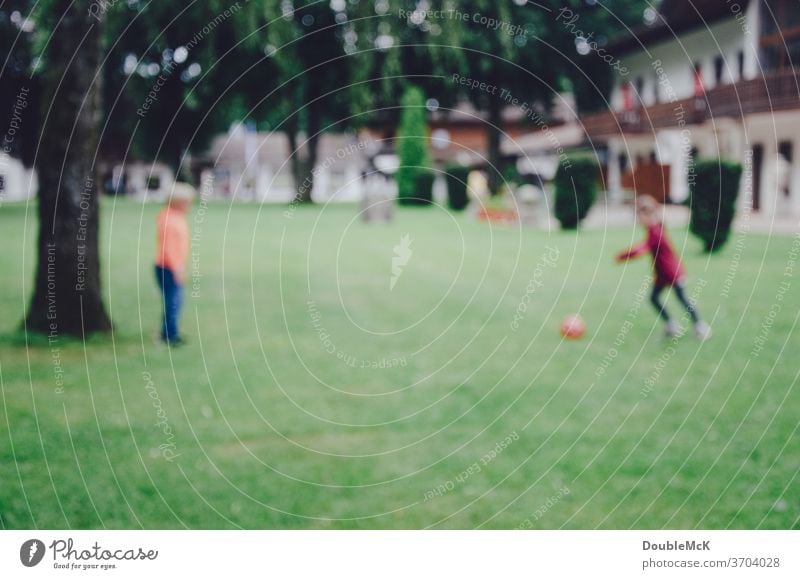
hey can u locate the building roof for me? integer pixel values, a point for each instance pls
(675, 17)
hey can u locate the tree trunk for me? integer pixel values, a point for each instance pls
(67, 299)
(302, 191)
(312, 145)
(493, 127)
(304, 159)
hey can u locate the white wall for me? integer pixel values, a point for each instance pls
(139, 173)
(20, 183)
(677, 56)
(769, 130)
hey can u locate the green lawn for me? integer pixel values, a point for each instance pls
(312, 396)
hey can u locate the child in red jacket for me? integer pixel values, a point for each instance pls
(667, 265)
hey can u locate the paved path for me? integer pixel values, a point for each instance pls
(603, 215)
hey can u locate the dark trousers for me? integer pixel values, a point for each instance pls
(655, 298)
(172, 298)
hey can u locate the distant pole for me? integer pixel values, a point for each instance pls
(251, 156)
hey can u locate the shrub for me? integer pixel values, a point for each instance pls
(423, 187)
(576, 190)
(511, 176)
(456, 177)
(414, 178)
(712, 199)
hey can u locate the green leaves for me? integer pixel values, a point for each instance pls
(713, 193)
(576, 190)
(414, 177)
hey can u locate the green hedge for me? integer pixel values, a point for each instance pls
(414, 177)
(423, 187)
(712, 199)
(576, 190)
(456, 178)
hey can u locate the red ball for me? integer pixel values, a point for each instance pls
(572, 327)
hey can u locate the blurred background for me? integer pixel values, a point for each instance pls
(255, 97)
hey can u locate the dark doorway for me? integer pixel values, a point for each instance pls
(758, 159)
(740, 64)
(785, 151)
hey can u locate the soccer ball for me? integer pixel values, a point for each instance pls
(572, 327)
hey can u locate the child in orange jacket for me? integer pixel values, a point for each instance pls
(172, 252)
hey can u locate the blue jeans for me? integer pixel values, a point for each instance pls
(655, 298)
(172, 297)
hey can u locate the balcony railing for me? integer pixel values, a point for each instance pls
(779, 91)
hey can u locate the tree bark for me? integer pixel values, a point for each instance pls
(304, 159)
(312, 146)
(493, 128)
(297, 164)
(67, 299)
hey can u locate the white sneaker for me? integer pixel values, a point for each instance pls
(673, 330)
(702, 331)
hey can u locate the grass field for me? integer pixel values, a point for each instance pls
(312, 396)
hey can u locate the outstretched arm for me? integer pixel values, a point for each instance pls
(634, 251)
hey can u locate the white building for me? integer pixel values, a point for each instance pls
(17, 182)
(250, 166)
(145, 181)
(708, 78)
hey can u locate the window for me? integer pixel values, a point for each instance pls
(790, 15)
(740, 64)
(769, 16)
(780, 34)
(697, 72)
(719, 69)
(656, 96)
(627, 98)
(640, 89)
(793, 53)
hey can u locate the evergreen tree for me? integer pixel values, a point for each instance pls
(414, 180)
